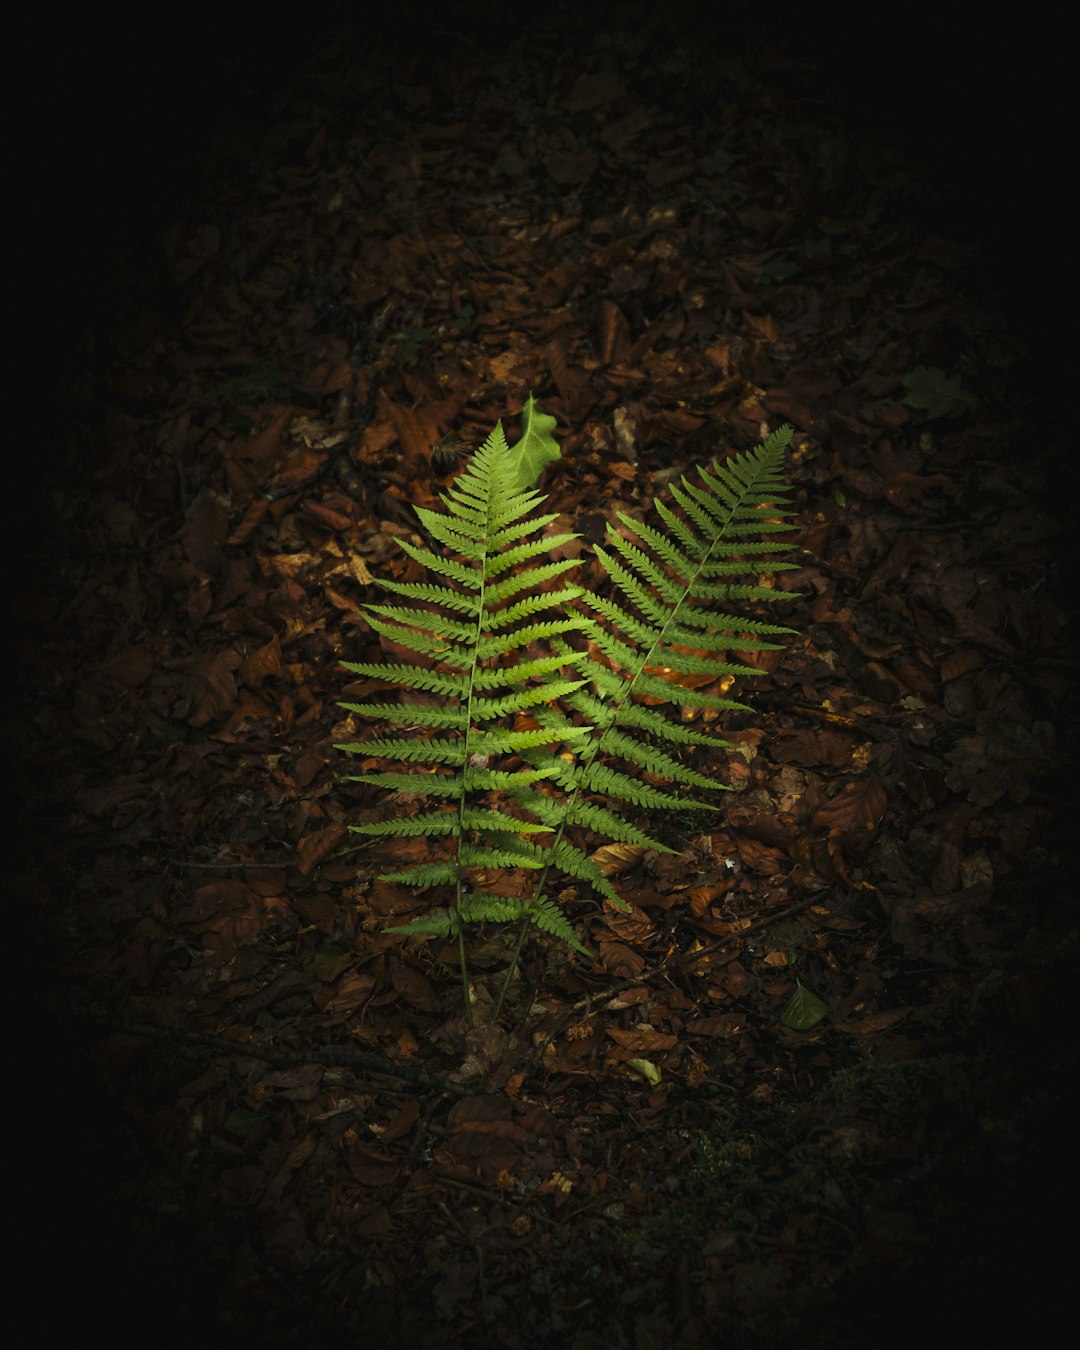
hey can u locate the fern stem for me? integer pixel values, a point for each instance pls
(523, 928)
(462, 959)
(493, 484)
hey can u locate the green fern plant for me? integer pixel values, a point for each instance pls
(543, 684)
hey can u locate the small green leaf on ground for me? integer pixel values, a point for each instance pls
(804, 1010)
(645, 1068)
(537, 447)
(940, 395)
(243, 1122)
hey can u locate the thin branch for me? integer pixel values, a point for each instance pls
(330, 1055)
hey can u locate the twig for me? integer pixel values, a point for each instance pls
(227, 864)
(330, 1055)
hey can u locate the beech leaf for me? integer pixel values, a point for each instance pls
(804, 1010)
(940, 395)
(646, 1069)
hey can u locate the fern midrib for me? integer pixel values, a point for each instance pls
(470, 700)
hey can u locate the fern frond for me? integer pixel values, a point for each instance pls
(414, 784)
(501, 742)
(442, 752)
(471, 779)
(668, 692)
(481, 908)
(512, 675)
(549, 918)
(599, 819)
(495, 780)
(423, 643)
(533, 549)
(414, 714)
(436, 923)
(488, 607)
(445, 567)
(521, 609)
(508, 642)
(666, 626)
(430, 823)
(424, 874)
(488, 907)
(574, 863)
(479, 818)
(648, 719)
(429, 594)
(475, 855)
(502, 590)
(647, 756)
(602, 778)
(489, 709)
(426, 619)
(556, 702)
(412, 677)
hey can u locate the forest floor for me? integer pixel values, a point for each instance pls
(257, 1118)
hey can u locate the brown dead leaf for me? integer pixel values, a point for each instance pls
(214, 685)
(206, 528)
(632, 925)
(620, 961)
(615, 333)
(414, 986)
(615, 859)
(857, 809)
(313, 847)
(416, 431)
(725, 1024)
(875, 1022)
(401, 1122)
(262, 664)
(642, 1039)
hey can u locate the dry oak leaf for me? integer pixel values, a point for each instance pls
(642, 1038)
(857, 809)
(314, 847)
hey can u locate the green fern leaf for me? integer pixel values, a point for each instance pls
(413, 714)
(540, 668)
(489, 709)
(572, 739)
(446, 567)
(442, 752)
(480, 818)
(547, 916)
(417, 784)
(427, 620)
(426, 593)
(521, 609)
(412, 677)
(488, 607)
(495, 780)
(667, 624)
(430, 823)
(436, 923)
(424, 874)
(491, 907)
(502, 590)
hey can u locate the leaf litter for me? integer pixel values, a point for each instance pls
(685, 1140)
